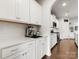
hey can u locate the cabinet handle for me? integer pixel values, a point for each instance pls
(30, 44)
(17, 17)
(14, 50)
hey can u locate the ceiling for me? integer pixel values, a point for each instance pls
(71, 8)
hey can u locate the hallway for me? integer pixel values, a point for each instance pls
(66, 49)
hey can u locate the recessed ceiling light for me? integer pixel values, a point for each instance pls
(64, 4)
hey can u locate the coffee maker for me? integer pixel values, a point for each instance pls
(31, 31)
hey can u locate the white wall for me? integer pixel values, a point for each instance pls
(54, 19)
(74, 22)
(64, 29)
(11, 31)
(47, 6)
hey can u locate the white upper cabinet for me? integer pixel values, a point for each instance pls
(11, 9)
(28, 11)
(3, 9)
(22, 10)
(35, 12)
(7, 9)
(39, 14)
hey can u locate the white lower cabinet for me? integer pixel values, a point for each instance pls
(53, 40)
(22, 51)
(41, 48)
(38, 49)
(31, 49)
(44, 46)
(35, 49)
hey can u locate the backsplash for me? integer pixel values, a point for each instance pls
(11, 31)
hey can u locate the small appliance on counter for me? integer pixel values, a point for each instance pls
(54, 24)
(32, 31)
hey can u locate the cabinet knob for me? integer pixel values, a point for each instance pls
(24, 53)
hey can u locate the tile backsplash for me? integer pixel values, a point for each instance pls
(11, 30)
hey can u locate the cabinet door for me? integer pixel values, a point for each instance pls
(38, 49)
(43, 44)
(3, 9)
(25, 54)
(22, 10)
(11, 9)
(35, 12)
(7, 9)
(53, 40)
(32, 50)
(39, 14)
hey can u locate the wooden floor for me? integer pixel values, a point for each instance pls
(66, 49)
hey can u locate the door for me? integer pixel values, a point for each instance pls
(22, 10)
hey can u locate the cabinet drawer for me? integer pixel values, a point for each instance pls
(9, 51)
(13, 50)
(21, 55)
